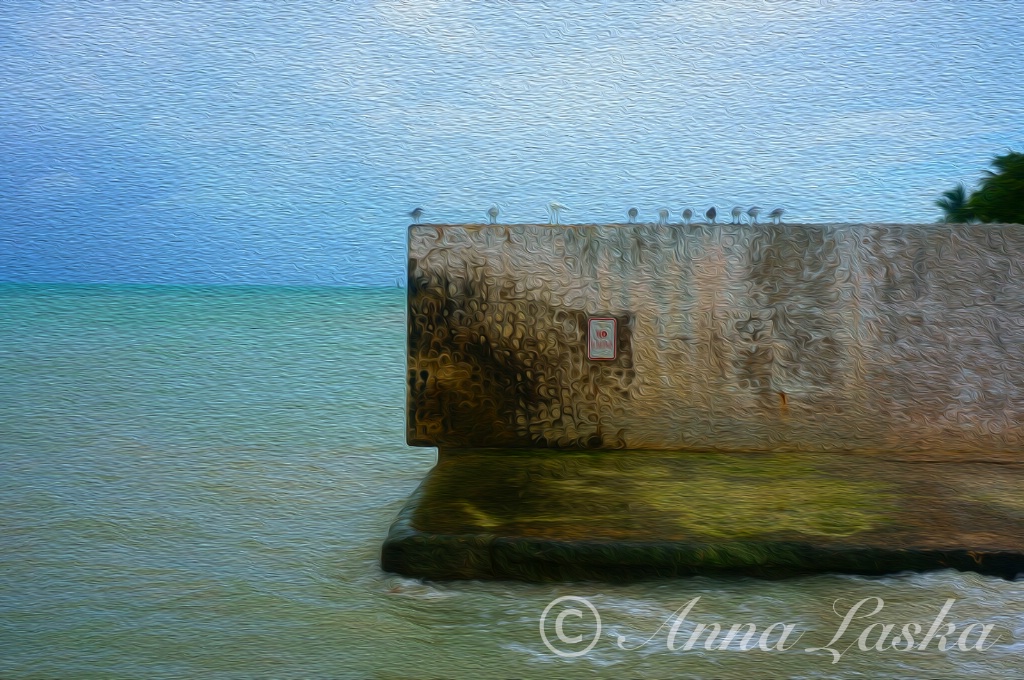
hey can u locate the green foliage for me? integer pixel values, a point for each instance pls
(999, 198)
(1001, 195)
(954, 205)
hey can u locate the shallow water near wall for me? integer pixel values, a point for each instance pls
(196, 481)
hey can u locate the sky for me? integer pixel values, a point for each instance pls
(286, 143)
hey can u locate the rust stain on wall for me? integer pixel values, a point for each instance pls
(730, 337)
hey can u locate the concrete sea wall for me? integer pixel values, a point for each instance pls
(825, 337)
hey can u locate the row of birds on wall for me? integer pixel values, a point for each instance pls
(711, 214)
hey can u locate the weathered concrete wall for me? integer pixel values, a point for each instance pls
(841, 337)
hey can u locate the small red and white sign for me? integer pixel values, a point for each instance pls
(601, 344)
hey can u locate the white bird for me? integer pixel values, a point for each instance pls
(416, 214)
(736, 212)
(663, 217)
(633, 212)
(555, 208)
(492, 214)
(753, 213)
(776, 215)
(687, 216)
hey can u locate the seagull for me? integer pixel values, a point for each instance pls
(754, 212)
(554, 208)
(736, 212)
(711, 214)
(776, 215)
(633, 212)
(687, 216)
(416, 215)
(492, 214)
(663, 217)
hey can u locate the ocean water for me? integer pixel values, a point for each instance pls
(195, 482)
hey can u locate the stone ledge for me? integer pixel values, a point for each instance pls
(560, 516)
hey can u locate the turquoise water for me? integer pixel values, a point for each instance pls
(195, 482)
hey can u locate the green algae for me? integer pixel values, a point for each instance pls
(642, 495)
(542, 515)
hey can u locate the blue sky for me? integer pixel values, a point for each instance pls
(264, 143)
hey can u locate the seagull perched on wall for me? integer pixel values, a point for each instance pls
(776, 215)
(663, 217)
(711, 214)
(492, 214)
(687, 216)
(633, 212)
(555, 208)
(416, 214)
(753, 213)
(736, 212)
